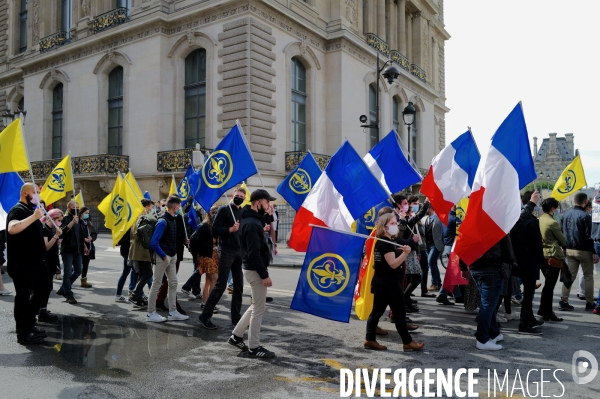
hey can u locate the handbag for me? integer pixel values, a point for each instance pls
(565, 277)
(504, 270)
(555, 263)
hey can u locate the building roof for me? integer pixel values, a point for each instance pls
(561, 147)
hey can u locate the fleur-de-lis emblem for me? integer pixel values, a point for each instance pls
(327, 274)
(570, 181)
(184, 189)
(300, 182)
(117, 206)
(57, 180)
(370, 215)
(217, 169)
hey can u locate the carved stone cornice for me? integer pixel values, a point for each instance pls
(163, 186)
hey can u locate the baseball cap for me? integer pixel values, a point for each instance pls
(261, 194)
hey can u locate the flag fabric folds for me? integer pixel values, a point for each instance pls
(389, 165)
(345, 191)
(183, 189)
(79, 199)
(229, 164)
(571, 180)
(105, 205)
(495, 202)
(13, 157)
(193, 217)
(363, 297)
(326, 283)
(173, 187)
(59, 182)
(247, 199)
(296, 186)
(451, 175)
(147, 195)
(10, 194)
(122, 209)
(453, 276)
(366, 223)
(134, 185)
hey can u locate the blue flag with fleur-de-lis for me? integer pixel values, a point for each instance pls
(228, 165)
(296, 186)
(184, 189)
(329, 273)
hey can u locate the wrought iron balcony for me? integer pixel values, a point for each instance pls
(379, 44)
(175, 160)
(88, 166)
(418, 72)
(293, 158)
(109, 19)
(400, 60)
(53, 41)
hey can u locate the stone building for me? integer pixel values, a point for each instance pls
(135, 84)
(553, 156)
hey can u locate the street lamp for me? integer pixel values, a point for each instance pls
(408, 116)
(390, 74)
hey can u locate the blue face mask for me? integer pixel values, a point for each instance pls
(557, 213)
(86, 216)
(415, 208)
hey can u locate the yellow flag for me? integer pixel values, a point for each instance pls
(125, 208)
(134, 184)
(571, 180)
(59, 183)
(247, 200)
(105, 205)
(173, 189)
(79, 199)
(13, 157)
(461, 211)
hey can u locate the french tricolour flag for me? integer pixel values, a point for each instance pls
(495, 203)
(451, 175)
(345, 191)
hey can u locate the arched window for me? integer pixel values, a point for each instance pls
(23, 26)
(57, 118)
(115, 111)
(373, 134)
(396, 114)
(22, 104)
(298, 105)
(195, 99)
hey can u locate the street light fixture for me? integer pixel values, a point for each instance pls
(408, 116)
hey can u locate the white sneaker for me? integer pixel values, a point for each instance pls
(488, 346)
(500, 319)
(155, 317)
(5, 292)
(188, 293)
(176, 316)
(120, 298)
(513, 316)
(499, 338)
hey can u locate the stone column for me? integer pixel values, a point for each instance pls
(372, 17)
(409, 29)
(381, 19)
(401, 28)
(393, 21)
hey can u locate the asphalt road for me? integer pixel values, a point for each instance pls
(103, 349)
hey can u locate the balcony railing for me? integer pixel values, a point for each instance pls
(418, 72)
(175, 160)
(90, 166)
(53, 41)
(379, 44)
(293, 158)
(400, 60)
(109, 19)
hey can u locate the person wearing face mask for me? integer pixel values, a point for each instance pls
(26, 263)
(141, 256)
(89, 250)
(225, 229)
(386, 286)
(51, 240)
(71, 250)
(435, 246)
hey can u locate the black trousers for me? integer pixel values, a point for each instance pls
(413, 282)
(228, 261)
(527, 302)
(424, 272)
(85, 263)
(28, 280)
(144, 275)
(384, 294)
(551, 274)
(51, 274)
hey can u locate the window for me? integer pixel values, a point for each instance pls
(115, 111)
(298, 106)
(23, 27)
(57, 118)
(195, 99)
(21, 105)
(373, 133)
(65, 21)
(396, 114)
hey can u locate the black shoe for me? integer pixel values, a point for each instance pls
(413, 301)
(443, 300)
(72, 301)
(238, 343)
(183, 312)
(552, 317)
(137, 303)
(31, 339)
(269, 299)
(408, 320)
(460, 299)
(590, 306)
(535, 323)
(60, 292)
(260, 352)
(411, 309)
(161, 306)
(46, 315)
(582, 297)
(564, 306)
(206, 323)
(39, 332)
(427, 295)
(529, 331)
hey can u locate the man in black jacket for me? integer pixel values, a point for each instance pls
(71, 251)
(255, 252)
(225, 227)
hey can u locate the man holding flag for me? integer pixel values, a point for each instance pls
(71, 251)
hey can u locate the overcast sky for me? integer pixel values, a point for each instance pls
(543, 53)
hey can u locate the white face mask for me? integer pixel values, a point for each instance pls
(392, 229)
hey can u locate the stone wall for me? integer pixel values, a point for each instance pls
(3, 31)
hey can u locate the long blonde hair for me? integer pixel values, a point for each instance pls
(381, 222)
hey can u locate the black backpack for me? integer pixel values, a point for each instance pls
(194, 241)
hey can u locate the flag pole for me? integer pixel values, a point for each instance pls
(237, 122)
(72, 181)
(356, 234)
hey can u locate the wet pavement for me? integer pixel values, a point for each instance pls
(103, 349)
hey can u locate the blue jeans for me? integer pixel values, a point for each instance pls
(72, 270)
(133, 277)
(432, 258)
(193, 283)
(489, 283)
(230, 280)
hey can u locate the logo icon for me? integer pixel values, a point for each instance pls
(217, 171)
(328, 274)
(579, 367)
(300, 182)
(569, 184)
(120, 209)
(57, 180)
(184, 189)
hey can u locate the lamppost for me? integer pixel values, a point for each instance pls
(390, 74)
(8, 117)
(408, 116)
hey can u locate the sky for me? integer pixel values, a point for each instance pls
(542, 53)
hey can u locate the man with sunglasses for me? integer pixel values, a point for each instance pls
(225, 228)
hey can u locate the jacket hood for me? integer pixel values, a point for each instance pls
(248, 212)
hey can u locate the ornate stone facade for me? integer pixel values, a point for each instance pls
(553, 155)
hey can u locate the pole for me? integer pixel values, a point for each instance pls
(377, 97)
(72, 180)
(237, 122)
(356, 234)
